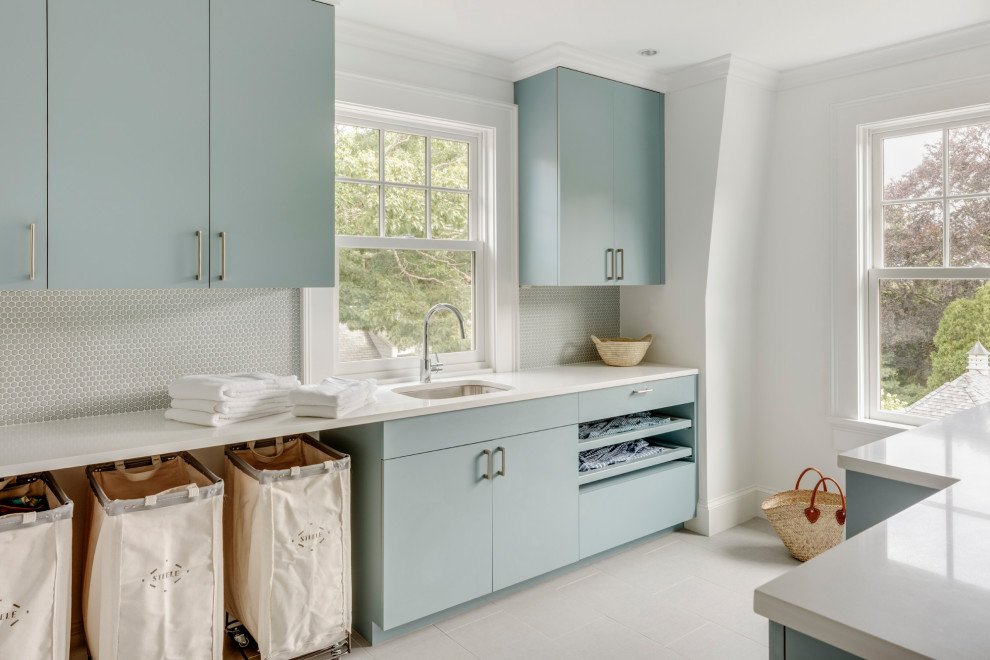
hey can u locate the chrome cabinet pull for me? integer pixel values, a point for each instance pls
(223, 255)
(622, 264)
(32, 252)
(501, 471)
(609, 258)
(199, 255)
(488, 473)
(646, 391)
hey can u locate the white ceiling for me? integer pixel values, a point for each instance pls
(779, 34)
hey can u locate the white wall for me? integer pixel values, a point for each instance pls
(811, 178)
(676, 312)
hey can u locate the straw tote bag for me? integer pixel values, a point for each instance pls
(809, 522)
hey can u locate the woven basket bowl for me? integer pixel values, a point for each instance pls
(621, 352)
(803, 539)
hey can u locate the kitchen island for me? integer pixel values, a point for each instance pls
(915, 584)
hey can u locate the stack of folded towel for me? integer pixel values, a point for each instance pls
(224, 399)
(334, 397)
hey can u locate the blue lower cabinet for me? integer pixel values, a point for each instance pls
(630, 506)
(789, 644)
(536, 511)
(874, 499)
(437, 550)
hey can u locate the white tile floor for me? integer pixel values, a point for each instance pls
(681, 596)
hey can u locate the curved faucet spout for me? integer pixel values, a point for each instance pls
(426, 367)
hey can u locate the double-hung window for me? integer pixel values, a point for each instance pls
(411, 233)
(927, 187)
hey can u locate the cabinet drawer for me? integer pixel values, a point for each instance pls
(626, 399)
(623, 509)
(415, 435)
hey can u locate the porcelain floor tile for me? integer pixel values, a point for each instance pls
(503, 636)
(605, 638)
(429, 643)
(713, 642)
(727, 608)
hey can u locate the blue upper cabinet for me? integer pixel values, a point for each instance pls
(23, 163)
(271, 143)
(128, 118)
(637, 192)
(590, 181)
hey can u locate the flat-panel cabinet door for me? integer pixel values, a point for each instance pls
(638, 184)
(128, 143)
(23, 160)
(584, 106)
(536, 504)
(437, 531)
(272, 76)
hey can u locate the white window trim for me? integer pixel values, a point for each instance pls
(849, 244)
(871, 137)
(496, 255)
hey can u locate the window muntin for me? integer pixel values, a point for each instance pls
(409, 234)
(928, 272)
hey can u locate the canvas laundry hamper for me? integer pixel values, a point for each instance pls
(35, 567)
(288, 545)
(153, 586)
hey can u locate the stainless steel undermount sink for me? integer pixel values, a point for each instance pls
(452, 389)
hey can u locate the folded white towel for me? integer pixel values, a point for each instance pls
(211, 419)
(228, 387)
(274, 404)
(332, 412)
(334, 392)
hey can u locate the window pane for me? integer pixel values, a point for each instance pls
(449, 164)
(384, 295)
(969, 159)
(912, 166)
(356, 152)
(927, 328)
(912, 234)
(970, 223)
(449, 213)
(405, 212)
(357, 209)
(405, 158)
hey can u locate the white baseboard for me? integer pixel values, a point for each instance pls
(727, 511)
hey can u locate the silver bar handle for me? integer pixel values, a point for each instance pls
(223, 255)
(32, 252)
(646, 391)
(199, 255)
(609, 258)
(488, 473)
(501, 471)
(622, 264)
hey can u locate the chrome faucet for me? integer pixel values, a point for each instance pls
(426, 366)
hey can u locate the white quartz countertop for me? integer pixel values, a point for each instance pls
(67, 443)
(918, 584)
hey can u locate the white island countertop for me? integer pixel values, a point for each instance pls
(918, 584)
(28, 448)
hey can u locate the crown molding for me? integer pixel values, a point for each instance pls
(699, 74)
(405, 46)
(944, 43)
(565, 55)
(754, 73)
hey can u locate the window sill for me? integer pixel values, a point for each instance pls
(852, 433)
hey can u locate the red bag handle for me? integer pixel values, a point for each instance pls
(812, 513)
(821, 476)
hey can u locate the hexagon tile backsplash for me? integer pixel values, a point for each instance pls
(556, 323)
(70, 354)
